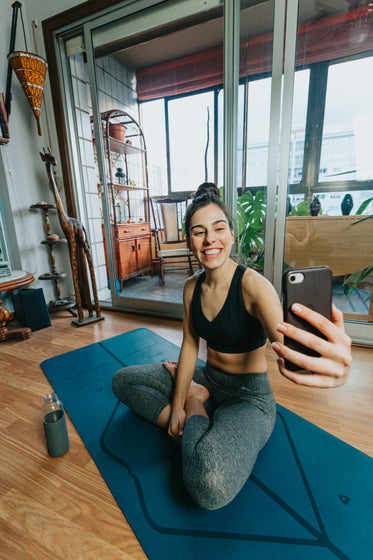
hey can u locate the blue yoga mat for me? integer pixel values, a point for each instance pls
(310, 495)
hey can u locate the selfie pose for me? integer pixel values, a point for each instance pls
(224, 413)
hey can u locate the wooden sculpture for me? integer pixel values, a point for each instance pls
(78, 248)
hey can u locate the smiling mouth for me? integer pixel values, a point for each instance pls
(212, 252)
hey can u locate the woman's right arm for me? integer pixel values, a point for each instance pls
(186, 365)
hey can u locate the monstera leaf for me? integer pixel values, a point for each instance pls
(250, 214)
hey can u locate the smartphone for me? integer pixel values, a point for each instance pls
(312, 287)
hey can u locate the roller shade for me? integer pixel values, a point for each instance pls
(327, 38)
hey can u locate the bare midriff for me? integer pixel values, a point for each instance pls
(246, 362)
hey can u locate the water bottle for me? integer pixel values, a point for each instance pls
(118, 210)
(124, 213)
(54, 422)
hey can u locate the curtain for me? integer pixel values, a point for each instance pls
(326, 38)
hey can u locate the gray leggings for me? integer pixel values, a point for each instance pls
(218, 455)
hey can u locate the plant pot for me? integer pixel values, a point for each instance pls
(117, 131)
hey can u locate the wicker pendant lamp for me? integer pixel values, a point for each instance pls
(30, 70)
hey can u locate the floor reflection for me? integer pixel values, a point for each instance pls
(147, 287)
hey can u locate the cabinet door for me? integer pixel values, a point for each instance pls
(127, 257)
(143, 253)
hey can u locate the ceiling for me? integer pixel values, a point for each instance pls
(188, 37)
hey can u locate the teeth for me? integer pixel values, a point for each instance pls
(212, 252)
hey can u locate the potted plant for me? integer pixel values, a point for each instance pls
(251, 210)
(351, 283)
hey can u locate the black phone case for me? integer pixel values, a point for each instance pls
(315, 291)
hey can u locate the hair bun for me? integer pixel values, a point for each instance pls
(205, 188)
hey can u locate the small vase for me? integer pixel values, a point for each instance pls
(315, 206)
(347, 205)
(288, 206)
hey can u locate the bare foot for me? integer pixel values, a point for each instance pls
(194, 401)
(171, 367)
(198, 392)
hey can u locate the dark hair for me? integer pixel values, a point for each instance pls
(207, 188)
(202, 201)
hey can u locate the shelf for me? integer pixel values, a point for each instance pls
(53, 241)
(52, 276)
(132, 248)
(61, 304)
(43, 206)
(123, 148)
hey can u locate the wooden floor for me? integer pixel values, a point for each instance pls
(61, 508)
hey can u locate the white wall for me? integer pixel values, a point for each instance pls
(23, 180)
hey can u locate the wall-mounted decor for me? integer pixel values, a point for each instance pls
(29, 68)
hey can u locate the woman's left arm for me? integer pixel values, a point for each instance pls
(331, 368)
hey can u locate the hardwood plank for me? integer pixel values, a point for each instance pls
(58, 533)
(62, 508)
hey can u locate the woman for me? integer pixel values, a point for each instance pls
(224, 413)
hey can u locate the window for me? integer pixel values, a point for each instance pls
(258, 129)
(258, 112)
(195, 148)
(331, 202)
(191, 141)
(348, 122)
(153, 118)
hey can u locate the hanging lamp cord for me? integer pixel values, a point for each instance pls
(23, 27)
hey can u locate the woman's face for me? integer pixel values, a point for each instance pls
(210, 238)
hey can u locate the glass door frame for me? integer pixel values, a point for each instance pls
(188, 7)
(282, 83)
(361, 332)
(231, 83)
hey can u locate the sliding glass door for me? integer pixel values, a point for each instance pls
(162, 96)
(153, 79)
(329, 184)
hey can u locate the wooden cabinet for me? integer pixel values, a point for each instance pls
(126, 164)
(133, 245)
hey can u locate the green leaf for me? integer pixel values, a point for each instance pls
(356, 278)
(303, 208)
(363, 206)
(249, 232)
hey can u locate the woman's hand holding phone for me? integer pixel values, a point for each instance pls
(331, 367)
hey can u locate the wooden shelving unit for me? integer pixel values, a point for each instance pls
(129, 200)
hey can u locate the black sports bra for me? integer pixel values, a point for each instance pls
(233, 330)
